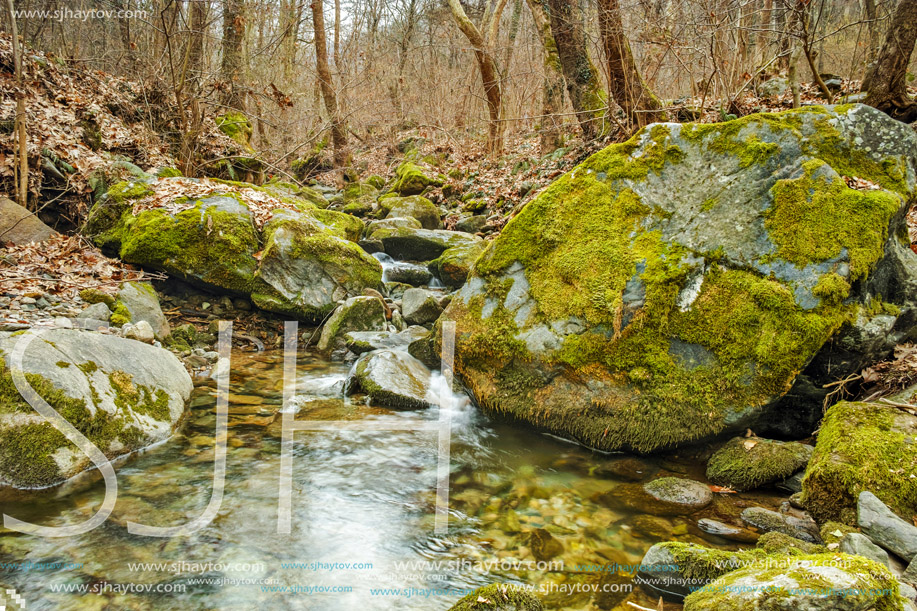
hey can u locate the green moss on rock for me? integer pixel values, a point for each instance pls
(411, 180)
(498, 597)
(862, 446)
(235, 125)
(747, 463)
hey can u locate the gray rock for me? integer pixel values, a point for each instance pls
(910, 573)
(424, 350)
(885, 528)
(355, 314)
(773, 87)
(804, 529)
(860, 545)
(359, 342)
(471, 224)
(19, 226)
(690, 494)
(408, 273)
(97, 311)
(392, 378)
(122, 394)
(663, 573)
(142, 332)
(407, 243)
(142, 304)
(419, 307)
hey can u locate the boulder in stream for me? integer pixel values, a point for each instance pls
(121, 394)
(499, 597)
(414, 206)
(747, 463)
(685, 284)
(355, 314)
(392, 378)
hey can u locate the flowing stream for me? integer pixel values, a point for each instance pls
(364, 500)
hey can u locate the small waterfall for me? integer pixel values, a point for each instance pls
(386, 261)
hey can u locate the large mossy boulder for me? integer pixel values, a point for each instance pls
(414, 206)
(673, 288)
(409, 243)
(862, 447)
(121, 394)
(281, 250)
(452, 267)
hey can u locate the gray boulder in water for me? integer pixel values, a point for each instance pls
(121, 394)
(697, 280)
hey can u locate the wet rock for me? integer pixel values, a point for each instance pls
(355, 314)
(419, 306)
(560, 291)
(860, 545)
(779, 543)
(121, 394)
(424, 350)
(654, 527)
(452, 267)
(766, 520)
(408, 273)
(407, 243)
(499, 597)
(138, 302)
(885, 528)
(674, 570)
(543, 545)
(359, 342)
(727, 531)
(792, 484)
(863, 584)
(687, 493)
(748, 463)
(392, 378)
(631, 468)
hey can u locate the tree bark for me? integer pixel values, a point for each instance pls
(124, 29)
(886, 82)
(552, 101)
(583, 85)
(338, 128)
(482, 41)
(198, 10)
(233, 33)
(626, 86)
(22, 145)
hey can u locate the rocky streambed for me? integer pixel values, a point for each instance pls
(688, 296)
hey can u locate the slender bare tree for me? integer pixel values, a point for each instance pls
(552, 101)
(338, 128)
(483, 41)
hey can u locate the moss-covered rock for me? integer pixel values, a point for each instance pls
(237, 126)
(414, 206)
(862, 446)
(403, 242)
(119, 393)
(671, 288)
(411, 180)
(392, 378)
(453, 266)
(499, 597)
(743, 463)
(308, 257)
(355, 314)
(306, 270)
(814, 582)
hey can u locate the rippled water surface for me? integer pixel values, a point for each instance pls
(359, 498)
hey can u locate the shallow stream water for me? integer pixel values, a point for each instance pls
(363, 500)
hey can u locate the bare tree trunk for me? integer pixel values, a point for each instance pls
(872, 31)
(22, 145)
(553, 90)
(233, 33)
(886, 82)
(337, 36)
(583, 85)
(198, 10)
(482, 40)
(338, 128)
(626, 85)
